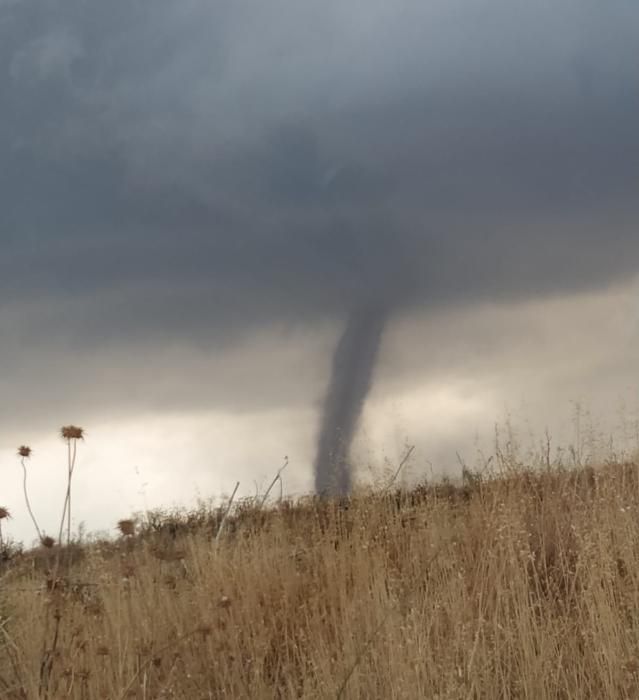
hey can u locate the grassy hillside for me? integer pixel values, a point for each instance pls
(524, 585)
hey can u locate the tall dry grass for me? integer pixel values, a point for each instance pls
(520, 586)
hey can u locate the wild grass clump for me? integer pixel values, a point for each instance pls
(523, 584)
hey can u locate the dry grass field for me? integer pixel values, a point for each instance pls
(521, 585)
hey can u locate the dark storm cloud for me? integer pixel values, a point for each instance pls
(232, 164)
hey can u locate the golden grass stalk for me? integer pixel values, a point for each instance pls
(517, 586)
(226, 513)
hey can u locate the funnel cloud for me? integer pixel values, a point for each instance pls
(351, 378)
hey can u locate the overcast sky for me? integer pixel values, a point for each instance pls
(195, 194)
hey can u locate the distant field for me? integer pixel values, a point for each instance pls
(522, 585)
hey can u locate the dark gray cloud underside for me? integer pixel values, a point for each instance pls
(203, 169)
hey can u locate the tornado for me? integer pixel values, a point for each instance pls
(351, 377)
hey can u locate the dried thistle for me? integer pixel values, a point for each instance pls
(72, 432)
(4, 513)
(127, 527)
(24, 452)
(47, 541)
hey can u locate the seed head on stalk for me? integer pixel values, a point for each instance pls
(24, 452)
(71, 434)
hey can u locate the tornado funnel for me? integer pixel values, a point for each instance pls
(351, 378)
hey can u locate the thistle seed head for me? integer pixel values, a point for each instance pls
(24, 451)
(126, 527)
(72, 432)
